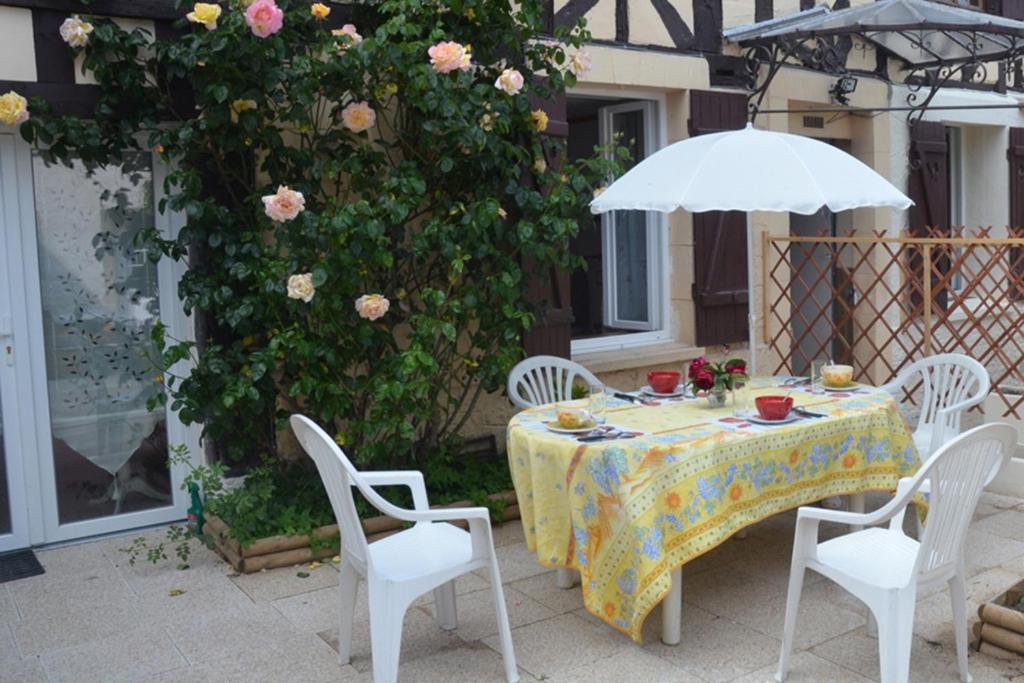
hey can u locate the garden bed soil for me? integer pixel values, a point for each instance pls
(285, 551)
(1000, 632)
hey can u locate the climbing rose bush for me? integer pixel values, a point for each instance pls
(324, 155)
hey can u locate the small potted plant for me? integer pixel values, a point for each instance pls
(715, 379)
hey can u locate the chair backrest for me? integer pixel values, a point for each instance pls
(339, 476)
(957, 473)
(545, 379)
(947, 379)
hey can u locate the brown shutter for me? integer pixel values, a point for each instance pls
(720, 287)
(547, 289)
(1015, 155)
(928, 186)
(1011, 9)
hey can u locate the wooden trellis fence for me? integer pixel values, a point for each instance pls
(880, 303)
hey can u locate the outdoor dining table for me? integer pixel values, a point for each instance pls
(627, 513)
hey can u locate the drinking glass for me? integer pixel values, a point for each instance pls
(741, 401)
(816, 383)
(598, 403)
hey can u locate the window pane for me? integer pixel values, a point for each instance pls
(631, 265)
(631, 229)
(99, 304)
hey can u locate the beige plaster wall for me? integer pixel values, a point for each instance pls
(17, 45)
(645, 26)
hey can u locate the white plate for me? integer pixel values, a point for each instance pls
(757, 419)
(553, 427)
(852, 386)
(680, 391)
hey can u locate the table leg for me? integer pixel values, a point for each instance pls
(565, 578)
(672, 610)
(856, 505)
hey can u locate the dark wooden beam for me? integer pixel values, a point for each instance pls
(55, 61)
(572, 11)
(806, 4)
(707, 25)
(136, 9)
(764, 10)
(64, 98)
(622, 21)
(682, 36)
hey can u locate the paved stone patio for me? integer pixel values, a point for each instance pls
(92, 617)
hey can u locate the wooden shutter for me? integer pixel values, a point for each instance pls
(720, 288)
(1015, 155)
(928, 186)
(547, 289)
(1011, 9)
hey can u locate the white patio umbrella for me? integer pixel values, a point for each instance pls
(749, 170)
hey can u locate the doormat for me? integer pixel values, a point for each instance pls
(19, 565)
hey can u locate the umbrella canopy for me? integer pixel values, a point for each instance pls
(749, 170)
(920, 32)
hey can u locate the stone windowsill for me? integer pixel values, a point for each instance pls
(667, 353)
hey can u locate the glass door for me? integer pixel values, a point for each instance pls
(93, 295)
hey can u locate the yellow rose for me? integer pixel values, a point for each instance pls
(13, 109)
(319, 11)
(206, 14)
(539, 120)
(238, 106)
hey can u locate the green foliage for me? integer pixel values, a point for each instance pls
(435, 208)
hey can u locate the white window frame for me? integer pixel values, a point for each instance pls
(658, 263)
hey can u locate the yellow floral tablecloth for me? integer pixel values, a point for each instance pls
(625, 513)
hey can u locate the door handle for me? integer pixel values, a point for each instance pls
(7, 339)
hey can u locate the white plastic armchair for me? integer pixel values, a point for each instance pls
(952, 383)
(545, 379)
(428, 556)
(884, 567)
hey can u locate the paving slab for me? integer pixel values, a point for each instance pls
(136, 655)
(477, 618)
(272, 584)
(560, 644)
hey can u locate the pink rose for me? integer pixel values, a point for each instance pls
(348, 34)
(449, 56)
(285, 205)
(372, 306)
(264, 18)
(697, 366)
(358, 116)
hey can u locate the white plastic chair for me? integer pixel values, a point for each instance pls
(952, 383)
(545, 379)
(884, 567)
(403, 566)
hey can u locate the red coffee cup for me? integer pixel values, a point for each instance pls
(773, 407)
(664, 381)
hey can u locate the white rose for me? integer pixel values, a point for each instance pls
(510, 81)
(301, 287)
(372, 306)
(75, 32)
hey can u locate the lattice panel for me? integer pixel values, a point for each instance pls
(881, 303)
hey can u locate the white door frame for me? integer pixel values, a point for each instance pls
(44, 522)
(652, 220)
(15, 376)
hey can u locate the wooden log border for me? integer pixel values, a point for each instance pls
(286, 551)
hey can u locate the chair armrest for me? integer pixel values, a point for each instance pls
(962, 405)
(883, 514)
(410, 478)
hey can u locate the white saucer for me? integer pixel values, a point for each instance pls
(757, 419)
(852, 386)
(680, 391)
(553, 427)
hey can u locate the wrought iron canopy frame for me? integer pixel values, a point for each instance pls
(827, 52)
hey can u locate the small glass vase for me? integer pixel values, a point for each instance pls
(716, 398)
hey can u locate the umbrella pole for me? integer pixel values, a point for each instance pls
(751, 305)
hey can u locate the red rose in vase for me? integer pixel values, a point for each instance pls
(707, 376)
